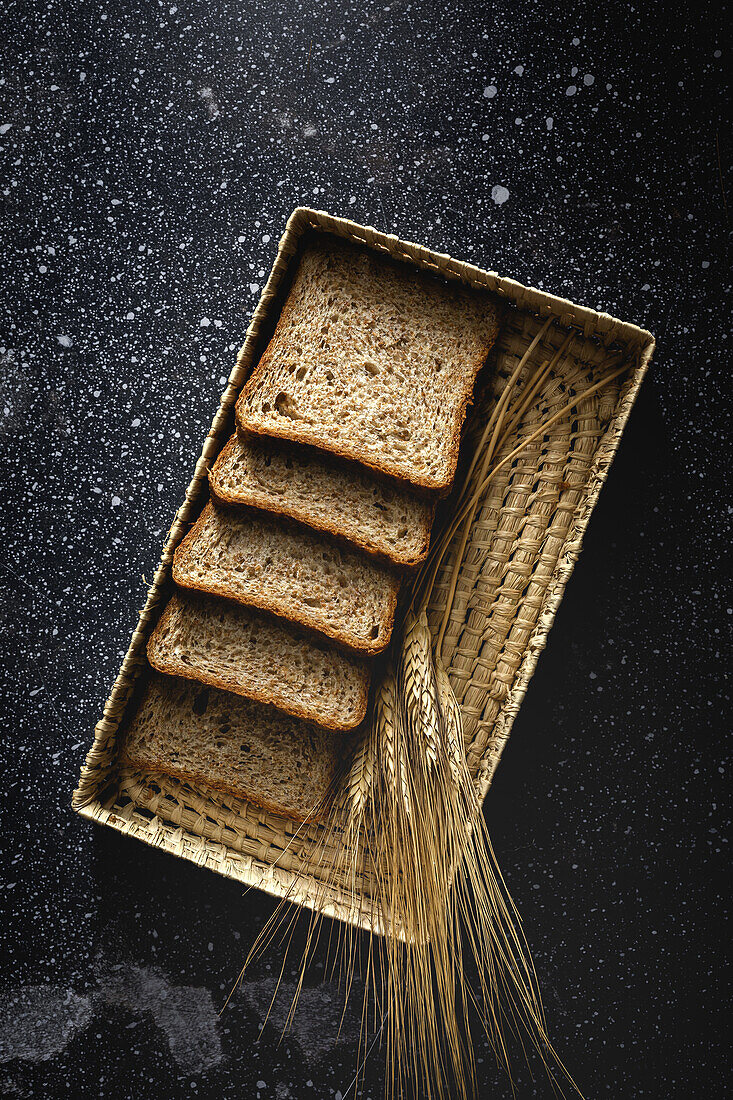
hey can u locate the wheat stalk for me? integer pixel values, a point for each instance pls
(437, 868)
(409, 825)
(440, 874)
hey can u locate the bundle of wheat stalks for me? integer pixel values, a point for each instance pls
(411, 839)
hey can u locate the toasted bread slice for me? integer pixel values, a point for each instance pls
(374, 361)
(262, 561)
(218, 740)
(254, 654)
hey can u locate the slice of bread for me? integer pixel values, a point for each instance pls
(267, 659)
(214, 739)
(262, 561)
(346, 501)
(374, 361)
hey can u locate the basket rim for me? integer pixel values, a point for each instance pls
(568, 313)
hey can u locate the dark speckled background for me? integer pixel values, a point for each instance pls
(151, 154)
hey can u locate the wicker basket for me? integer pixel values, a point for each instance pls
(524, 542)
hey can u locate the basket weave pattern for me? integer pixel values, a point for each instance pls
(520, 551)
(524, 541)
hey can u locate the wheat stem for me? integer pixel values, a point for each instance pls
(407, 834)
(506, 394)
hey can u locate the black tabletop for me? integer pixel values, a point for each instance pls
(152, 153)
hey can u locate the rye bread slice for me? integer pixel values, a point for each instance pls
(343, 500)
(374, 361)
(263, 561)
(214, 739)
(251, 653)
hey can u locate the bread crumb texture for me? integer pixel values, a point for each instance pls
(342, 499)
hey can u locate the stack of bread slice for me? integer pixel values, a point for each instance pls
(321, 502)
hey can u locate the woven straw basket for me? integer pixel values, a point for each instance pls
(523, 544)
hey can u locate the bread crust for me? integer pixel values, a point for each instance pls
(351, 642)
(203, 677)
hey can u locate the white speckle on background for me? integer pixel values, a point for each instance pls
(39, 1021)
(499, 194)
(185, 1013)
(212, 107)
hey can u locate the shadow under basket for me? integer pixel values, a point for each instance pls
(523, 544)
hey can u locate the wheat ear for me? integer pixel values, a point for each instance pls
(361, 775)
(419, 697)
(387, 736)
